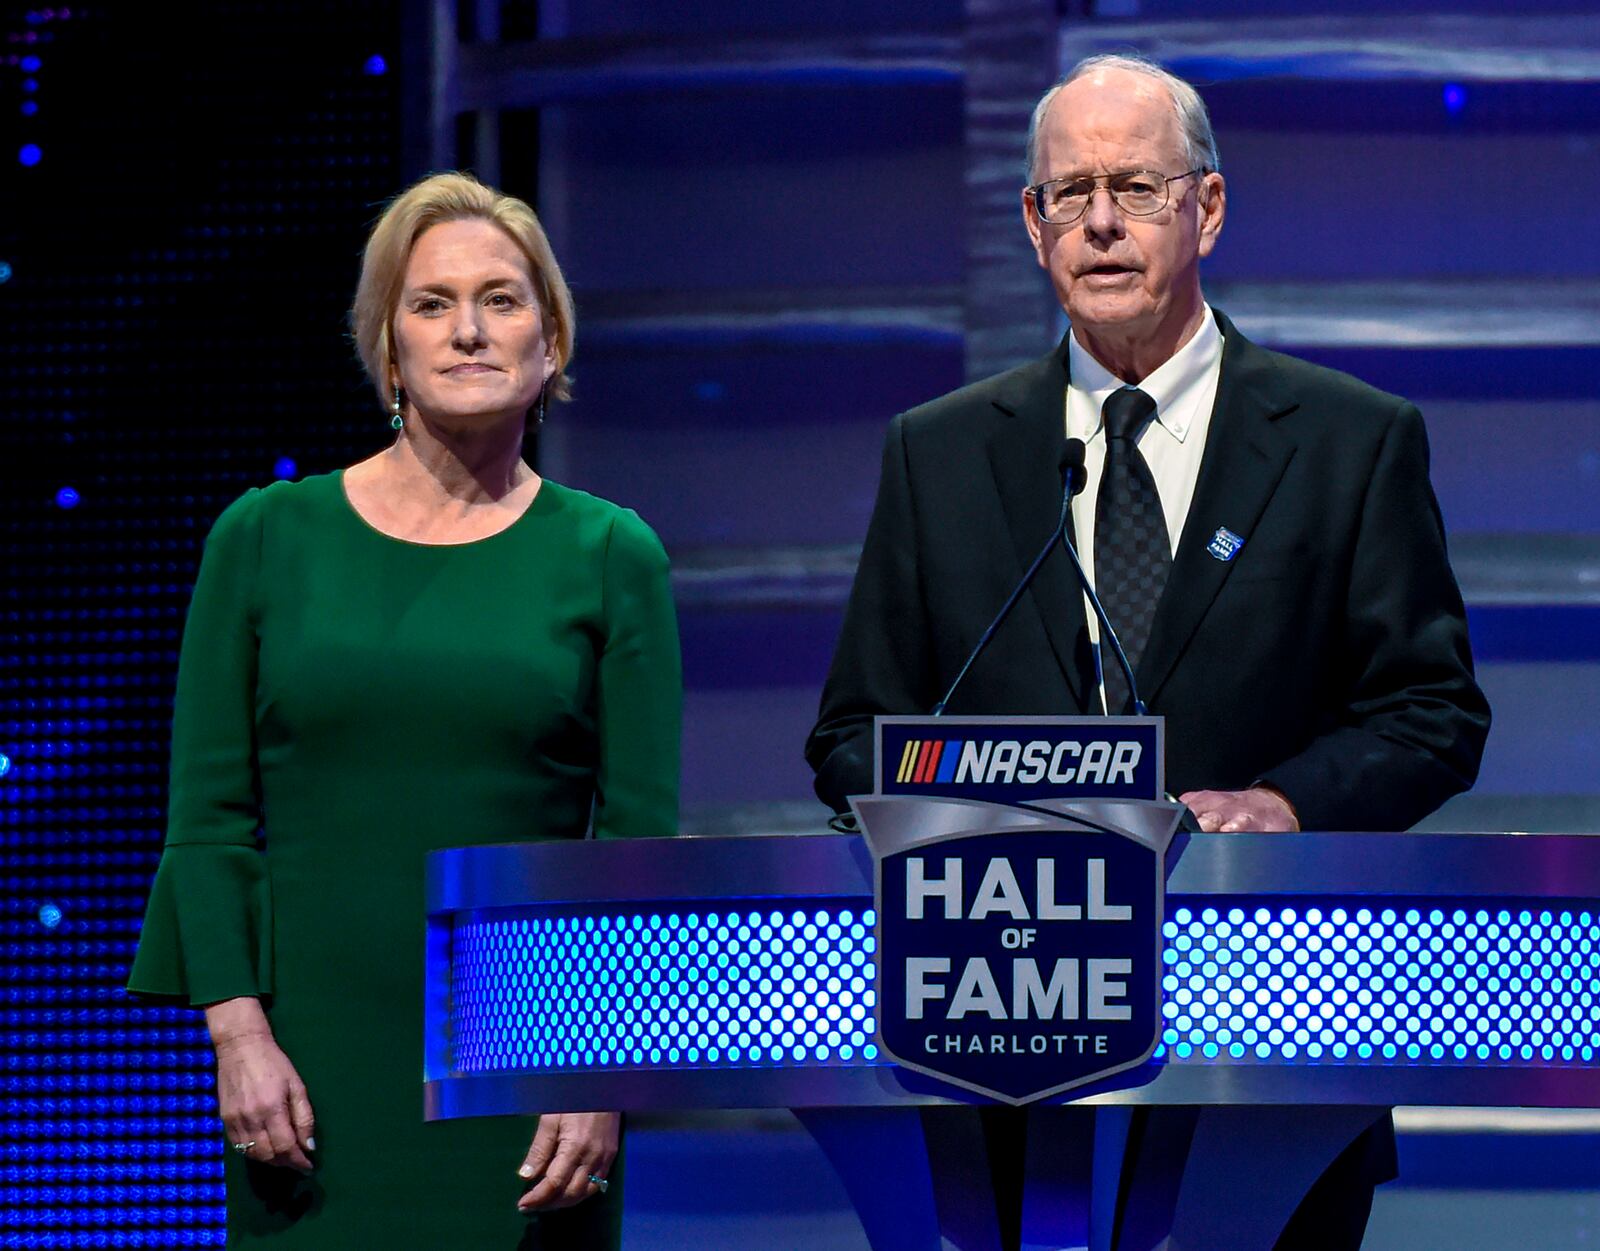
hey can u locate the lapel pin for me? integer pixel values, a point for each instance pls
(1225, 544)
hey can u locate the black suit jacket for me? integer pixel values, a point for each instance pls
(1329, 657)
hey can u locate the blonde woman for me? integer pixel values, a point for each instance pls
(433, 647)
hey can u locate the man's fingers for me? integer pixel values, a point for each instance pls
(1239, 812)
(1203, 804)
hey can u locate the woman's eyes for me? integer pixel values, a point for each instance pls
(502, 300)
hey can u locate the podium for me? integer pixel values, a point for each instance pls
(1342, 972)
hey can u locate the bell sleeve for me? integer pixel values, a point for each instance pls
(207, 933)
(639, 688)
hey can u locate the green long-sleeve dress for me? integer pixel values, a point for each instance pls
(361, 700)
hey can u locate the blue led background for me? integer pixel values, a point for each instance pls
(183, 191)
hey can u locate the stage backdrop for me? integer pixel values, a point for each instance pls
(783, 223)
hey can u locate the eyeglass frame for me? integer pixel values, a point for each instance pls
(1102, 182)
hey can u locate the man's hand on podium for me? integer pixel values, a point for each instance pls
(1261, 808)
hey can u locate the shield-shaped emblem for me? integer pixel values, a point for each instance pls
(1018, 944)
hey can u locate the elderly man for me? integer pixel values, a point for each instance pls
(1261, 531)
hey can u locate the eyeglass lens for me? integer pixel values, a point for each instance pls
(1139, 193)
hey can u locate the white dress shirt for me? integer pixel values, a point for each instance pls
(1185, 391)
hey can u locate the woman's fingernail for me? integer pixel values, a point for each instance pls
(311, 1144)
(526, 1171)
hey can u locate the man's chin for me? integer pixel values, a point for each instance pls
(1109, 311)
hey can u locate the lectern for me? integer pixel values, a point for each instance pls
(1307, 980)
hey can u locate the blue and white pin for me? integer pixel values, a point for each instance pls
(1225, 544)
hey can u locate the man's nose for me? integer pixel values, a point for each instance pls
(1103, 219)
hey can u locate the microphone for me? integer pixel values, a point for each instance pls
(1073, 478)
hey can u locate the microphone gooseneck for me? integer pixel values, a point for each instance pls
(1073, 477)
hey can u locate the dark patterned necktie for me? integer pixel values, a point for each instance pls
(1132, 553)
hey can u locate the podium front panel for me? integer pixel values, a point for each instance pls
(739, 972)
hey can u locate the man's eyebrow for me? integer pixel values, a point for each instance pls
(1072, 175)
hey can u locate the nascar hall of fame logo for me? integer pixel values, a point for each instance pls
(1019, 946)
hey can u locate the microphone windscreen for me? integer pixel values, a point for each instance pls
(1073, 474)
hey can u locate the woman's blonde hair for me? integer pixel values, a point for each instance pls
(448, 198)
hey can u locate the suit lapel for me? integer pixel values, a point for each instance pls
(1244, 459)
(1024, 453)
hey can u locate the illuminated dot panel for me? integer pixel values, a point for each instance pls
(1337, 982)
(680, 989)
(1505, 984)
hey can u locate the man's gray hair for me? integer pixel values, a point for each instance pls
(1194, 123)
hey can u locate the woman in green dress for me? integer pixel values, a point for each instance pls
(432, 648)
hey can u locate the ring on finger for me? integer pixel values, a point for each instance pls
(243, 1148)
(601, 1182)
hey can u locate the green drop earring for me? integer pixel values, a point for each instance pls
(397, 421)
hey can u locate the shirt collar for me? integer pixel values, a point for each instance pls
(1169, 386)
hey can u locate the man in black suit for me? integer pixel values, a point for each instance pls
(1262, 529)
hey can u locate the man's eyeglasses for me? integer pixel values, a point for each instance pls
(1139, 193)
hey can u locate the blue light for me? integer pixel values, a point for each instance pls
(1455, 97)
(30, 85)
(5, 764)
(29, 107)
(5, 271)
(49, 916)
(66, 497)
(376, 66)
(30, 154)
(286, 468)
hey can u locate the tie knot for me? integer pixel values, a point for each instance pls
(1126, 413)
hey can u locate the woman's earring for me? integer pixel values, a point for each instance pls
(397, 421)
(538, 419)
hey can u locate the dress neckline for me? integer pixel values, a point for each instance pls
(536, 504)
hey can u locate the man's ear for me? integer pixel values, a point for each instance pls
(1035, 228)
(1213, 200)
